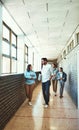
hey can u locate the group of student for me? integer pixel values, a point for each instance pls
(49, 74)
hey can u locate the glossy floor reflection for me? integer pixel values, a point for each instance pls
(60, 115)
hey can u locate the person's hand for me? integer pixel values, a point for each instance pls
(50, 78)
(32, 78)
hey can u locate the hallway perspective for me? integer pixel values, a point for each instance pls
(61, 114)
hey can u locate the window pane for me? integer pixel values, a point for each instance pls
(13, 51)
(6, 32)
(13, 39)
(5, 48)
(72, 44)
(5, 65)
(14, 65)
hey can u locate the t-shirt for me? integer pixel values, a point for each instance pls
(46, 72)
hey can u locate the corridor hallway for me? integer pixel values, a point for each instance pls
(60, 115)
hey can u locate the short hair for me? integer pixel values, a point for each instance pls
(45, 59)
(61, 68)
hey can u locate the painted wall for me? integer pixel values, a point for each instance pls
(20, 54)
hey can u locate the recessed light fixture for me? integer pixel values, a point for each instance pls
(28, 15)
(23, 2)
(47, 7)
(70, 1)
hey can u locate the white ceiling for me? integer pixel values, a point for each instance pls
(48, 24)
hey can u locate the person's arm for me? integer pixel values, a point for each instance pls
(51, 72)
(27, 75)
(34, 77)
(58, 76)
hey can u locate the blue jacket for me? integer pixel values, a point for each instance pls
(64, 76)
(30, 77)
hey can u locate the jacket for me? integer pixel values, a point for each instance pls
(64, 76)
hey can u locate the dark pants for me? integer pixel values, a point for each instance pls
(46, 89)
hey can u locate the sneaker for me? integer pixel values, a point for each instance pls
(30, 104)
(46, 106)
(61, 96)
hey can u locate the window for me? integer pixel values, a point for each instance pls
(13, 39)
(9, 50)
(70, 46)
(5, 48)
(64, 54)
(6, 32)
(33, 59)
(13, 51)
(26, 57)
(77, 38)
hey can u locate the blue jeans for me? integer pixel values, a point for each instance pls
(61, 87)
(45, 90)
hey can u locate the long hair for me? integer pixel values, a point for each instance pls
(55, 65)
(28, 67)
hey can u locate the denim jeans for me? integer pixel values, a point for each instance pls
(45, 90)
(61, 87)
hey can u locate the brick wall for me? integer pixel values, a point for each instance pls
(12, 95)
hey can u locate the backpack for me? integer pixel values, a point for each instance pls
(65, 77)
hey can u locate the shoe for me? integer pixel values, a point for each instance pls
(30, 104)
(46, 106)
(61, 96)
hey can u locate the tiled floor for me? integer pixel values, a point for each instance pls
(60, 115)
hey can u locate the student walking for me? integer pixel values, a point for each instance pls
(30, 77)
(54, 78)
(46, 80)
(62, 77)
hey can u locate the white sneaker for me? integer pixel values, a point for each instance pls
(30, 104)
(46, 106)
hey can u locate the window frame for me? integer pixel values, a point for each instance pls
(10, 51)
(78, 38)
